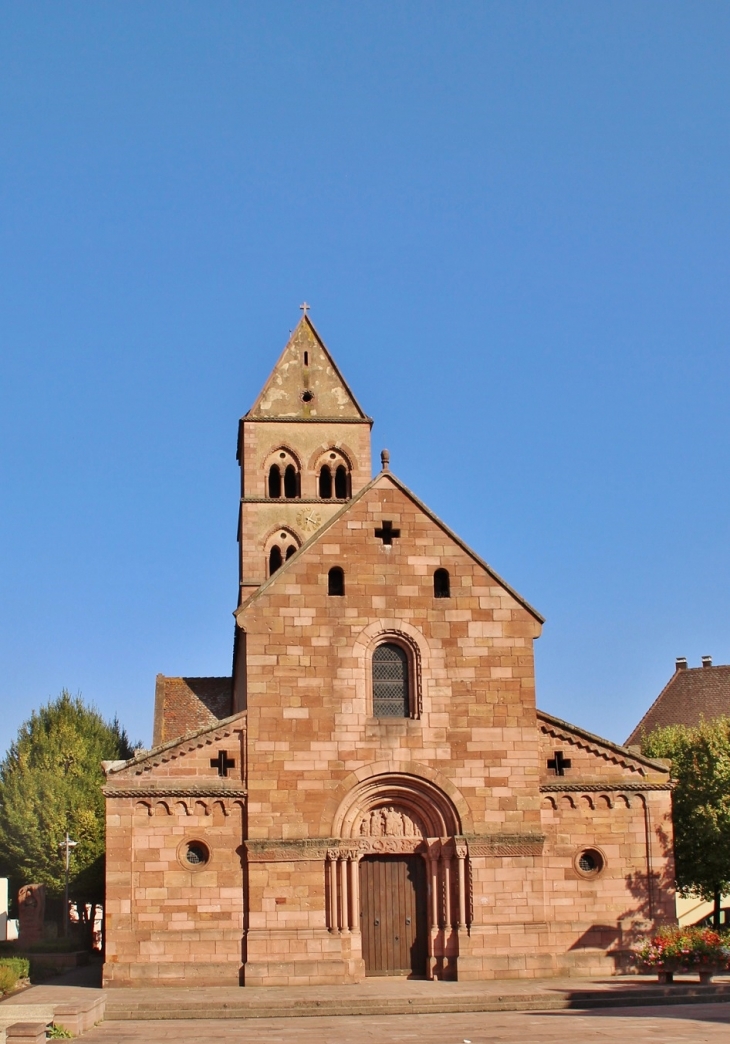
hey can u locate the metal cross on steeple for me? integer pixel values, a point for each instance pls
(304, 307)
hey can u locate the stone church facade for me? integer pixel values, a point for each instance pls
(373, 791)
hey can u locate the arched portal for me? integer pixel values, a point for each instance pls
(398, 876)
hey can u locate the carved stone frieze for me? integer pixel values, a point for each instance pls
(287, 851)
(499, 845)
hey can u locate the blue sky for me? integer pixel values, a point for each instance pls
(511, 222)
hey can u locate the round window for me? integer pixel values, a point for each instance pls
(196, 853)
(307, 396)
(589, 862)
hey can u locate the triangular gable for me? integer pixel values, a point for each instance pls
(297, 391)
(627, 762)
(386, 476)
(163, 760)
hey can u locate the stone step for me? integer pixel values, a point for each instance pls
(255, 1003)
(10, 1013)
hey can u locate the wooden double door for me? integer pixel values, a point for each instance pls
(394, 914)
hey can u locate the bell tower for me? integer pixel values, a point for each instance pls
(303, 449)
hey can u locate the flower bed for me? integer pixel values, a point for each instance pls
(675, 949)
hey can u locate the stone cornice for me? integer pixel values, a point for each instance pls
(633, 786)
(173, 790)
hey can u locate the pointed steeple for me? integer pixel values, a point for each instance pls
(304, 448)
(306, 383)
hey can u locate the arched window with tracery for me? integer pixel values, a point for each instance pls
(391, 681)
(441, 584)
(325, 482)
(274, 559)
(279, 548)
(341, 483)
(283, 476)
(333, 472)
(274, 481)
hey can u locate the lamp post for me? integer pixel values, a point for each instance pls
(68, 844)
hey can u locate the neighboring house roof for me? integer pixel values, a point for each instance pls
(691, 694)
(379, 478)
(185, 704)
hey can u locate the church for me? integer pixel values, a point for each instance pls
(373, 790)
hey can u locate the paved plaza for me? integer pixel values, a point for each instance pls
(695, 1023)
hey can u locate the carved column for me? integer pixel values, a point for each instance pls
(446, 856)
(344, 905)
(434, 866)
(332, 873)
(461, 856)
(355, 891)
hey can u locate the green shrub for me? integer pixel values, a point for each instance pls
(20, 965)
(58, 1033)
(8, 979)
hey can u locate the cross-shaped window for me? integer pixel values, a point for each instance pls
(386, 533)
(222, 763)
(558, 764)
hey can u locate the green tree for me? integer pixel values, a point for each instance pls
(50, 783)
(700, 758)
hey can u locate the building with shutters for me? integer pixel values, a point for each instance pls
(372, 791)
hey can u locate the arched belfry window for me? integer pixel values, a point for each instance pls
(333, 471)
(279, 548)
(341, 483)
(325, 482)
(391, 681)
(441, 584)
(282, 476)
(291, 482)
(336, 581)
(274, 481)
(274, 559)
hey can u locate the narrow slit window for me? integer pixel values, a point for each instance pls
(274, 481)
(325, 482)
(336, 581)
(274, 559)
(441, 584)
(306, 358)
(390, 682)
(341, 482)
(291, 484)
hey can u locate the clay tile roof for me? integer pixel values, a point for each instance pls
(692, 693)
(185, 704)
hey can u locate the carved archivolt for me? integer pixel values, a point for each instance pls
(394, 805)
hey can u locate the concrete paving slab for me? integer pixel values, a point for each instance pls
(695, 1024)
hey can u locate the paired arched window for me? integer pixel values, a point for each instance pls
(336, 581)
(441, 584)
(283, 476)
(334, 477)
(282, 547)
(391, 681)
